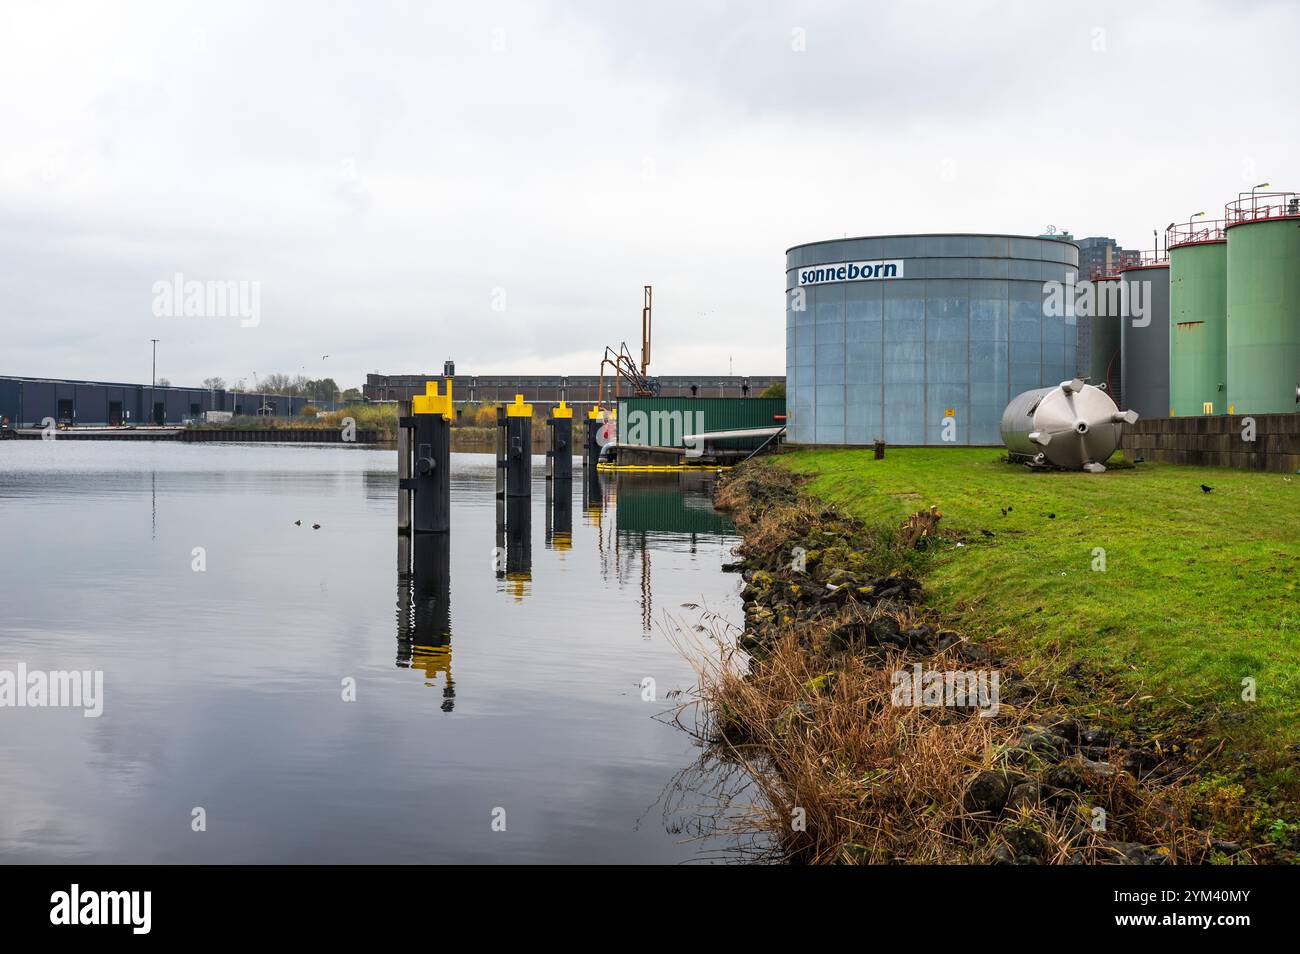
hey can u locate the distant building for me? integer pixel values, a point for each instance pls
(29, 401)
(1099, 255)
(579, 390)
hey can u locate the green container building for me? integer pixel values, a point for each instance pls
(1198, 344)
(1263, 307)
(664, 421)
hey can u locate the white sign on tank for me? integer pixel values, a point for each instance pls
(851, 272)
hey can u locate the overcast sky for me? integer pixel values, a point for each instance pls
(495, 182)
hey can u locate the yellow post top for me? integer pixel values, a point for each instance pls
(518, 408)
(431, 402)
(562, 411)
(599, 413)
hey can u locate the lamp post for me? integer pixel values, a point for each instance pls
(153, 379)
(1262, 185)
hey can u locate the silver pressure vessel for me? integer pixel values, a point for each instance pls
(1073, 426)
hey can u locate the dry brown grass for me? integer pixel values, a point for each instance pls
(875, 782)
(884, 784)
(815, 730)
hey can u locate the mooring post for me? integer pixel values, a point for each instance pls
(590, 447)
(501, 455)
(519, 449)
(429, 436)
(403, 474)
(559, 456)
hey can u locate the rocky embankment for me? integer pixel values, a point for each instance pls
(846, 701)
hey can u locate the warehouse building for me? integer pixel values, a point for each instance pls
(922, 339)
(29, 401)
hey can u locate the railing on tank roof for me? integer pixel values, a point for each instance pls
(1188, 233)
(1259, 206)
(1147, 259)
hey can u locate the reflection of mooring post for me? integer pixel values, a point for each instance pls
(519, 545)
(499, 553)
(550, 500)
(562, 522)
(593, 494)
(519, 449)
(424, 461)
(431, 627)
(559, 454)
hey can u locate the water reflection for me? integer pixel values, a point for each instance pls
(648, 510)
(424, 609)
(513, 557)
(552, 725)
(559, 514)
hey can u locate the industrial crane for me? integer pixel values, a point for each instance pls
(624, 366)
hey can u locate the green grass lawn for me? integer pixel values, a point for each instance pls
(1199, 590)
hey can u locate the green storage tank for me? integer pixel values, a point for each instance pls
(1263, 304)
(1198, 344)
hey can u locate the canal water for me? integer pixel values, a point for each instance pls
(502, 686)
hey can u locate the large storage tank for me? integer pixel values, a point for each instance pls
(1072, 425)
(1104, 339)
(922, 339)
(1198, 308)
(1263, 303)
(1144, 342)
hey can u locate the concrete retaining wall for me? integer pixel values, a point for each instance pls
(1218, 441)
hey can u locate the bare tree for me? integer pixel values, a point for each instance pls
(276, 383)
(214, 383)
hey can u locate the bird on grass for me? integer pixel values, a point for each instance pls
(1205, 489)
(1051, 516)
(987, 533)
